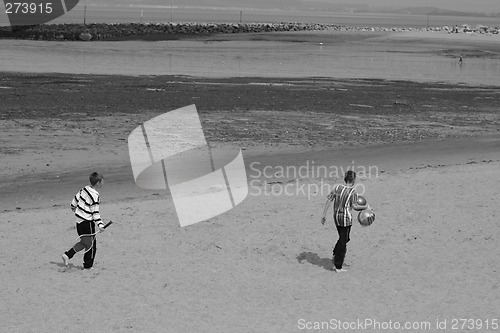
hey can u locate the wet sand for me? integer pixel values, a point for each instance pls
(416, 56)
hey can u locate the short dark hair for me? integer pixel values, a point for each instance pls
(350, 176)
(95, 178)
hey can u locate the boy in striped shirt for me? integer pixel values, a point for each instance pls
(344, 198)
(85, 205)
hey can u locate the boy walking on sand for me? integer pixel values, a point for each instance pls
(85, 205)
(344, 198)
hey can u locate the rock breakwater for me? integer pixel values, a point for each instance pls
(102, 31)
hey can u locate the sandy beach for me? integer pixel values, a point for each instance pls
(431, 256)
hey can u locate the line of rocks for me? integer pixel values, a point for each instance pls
(102, 31)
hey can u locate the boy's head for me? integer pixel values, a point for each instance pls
(350, 177)
(96, 179)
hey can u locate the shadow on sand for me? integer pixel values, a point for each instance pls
(64, 268)
(314, 259)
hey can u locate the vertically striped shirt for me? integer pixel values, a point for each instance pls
(343, 198)
(86, 205)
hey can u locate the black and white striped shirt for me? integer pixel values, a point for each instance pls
(86, 205)
(343, 198)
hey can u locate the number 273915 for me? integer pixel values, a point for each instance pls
(28, 8)
(474, 324)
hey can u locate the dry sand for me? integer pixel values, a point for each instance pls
(432, 253)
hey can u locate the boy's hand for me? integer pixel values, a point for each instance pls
(323, 220)
(101, 227)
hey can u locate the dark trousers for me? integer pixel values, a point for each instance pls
(86, 229)
(341, 246)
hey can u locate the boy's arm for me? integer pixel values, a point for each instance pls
(329, 200)
(97, 216)
(327, 205)
(73, 204)
(355, 206)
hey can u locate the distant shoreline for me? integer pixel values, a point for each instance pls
(169, 31)
(426, 56)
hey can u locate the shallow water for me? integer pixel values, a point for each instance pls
(396, 61)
